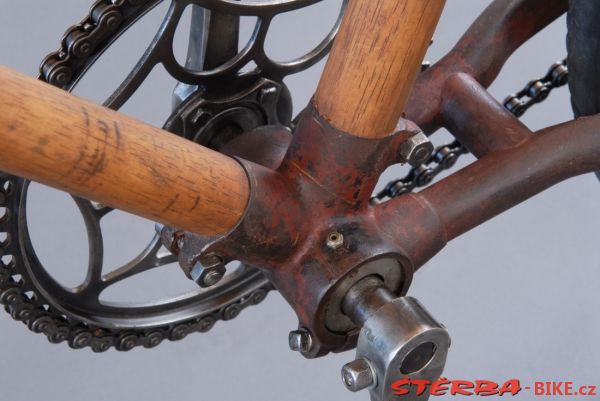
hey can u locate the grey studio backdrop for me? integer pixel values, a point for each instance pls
(519, 295)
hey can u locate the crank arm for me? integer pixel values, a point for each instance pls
(400, 344)
(203, 53)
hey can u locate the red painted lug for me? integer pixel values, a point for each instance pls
(323, 184)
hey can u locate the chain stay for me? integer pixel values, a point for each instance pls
(445, 157)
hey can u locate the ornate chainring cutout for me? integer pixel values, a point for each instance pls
(214, 83)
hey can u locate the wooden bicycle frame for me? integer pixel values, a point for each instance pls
(275, 204)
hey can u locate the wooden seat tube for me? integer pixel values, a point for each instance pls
(374, 63)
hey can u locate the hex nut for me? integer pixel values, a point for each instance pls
(208, 271)
(416, 149)
(300, 340)
(358, 375)
(335, 240)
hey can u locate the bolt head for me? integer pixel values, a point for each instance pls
(358, 375)
(335, 240)
(208, 271)
(212, 277)
(417, 149)
(300, 340)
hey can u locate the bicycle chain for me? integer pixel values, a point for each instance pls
(63, 67)
(445, 157)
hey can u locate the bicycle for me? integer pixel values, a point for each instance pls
(409, 144)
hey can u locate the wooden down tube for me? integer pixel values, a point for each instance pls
(68, 143)
(374, 63)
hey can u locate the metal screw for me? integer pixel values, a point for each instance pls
(358, 375)
(335, 240)
(208, 271)
(300, 340)
(212, 277)
(417, 149)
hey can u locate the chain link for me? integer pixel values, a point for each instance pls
(445, 157)
(106, 18)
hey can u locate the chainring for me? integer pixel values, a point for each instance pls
(217, 97)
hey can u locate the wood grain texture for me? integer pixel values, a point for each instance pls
(374, 63)
(65, 142)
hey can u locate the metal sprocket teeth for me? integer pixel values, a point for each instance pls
(25, 306)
